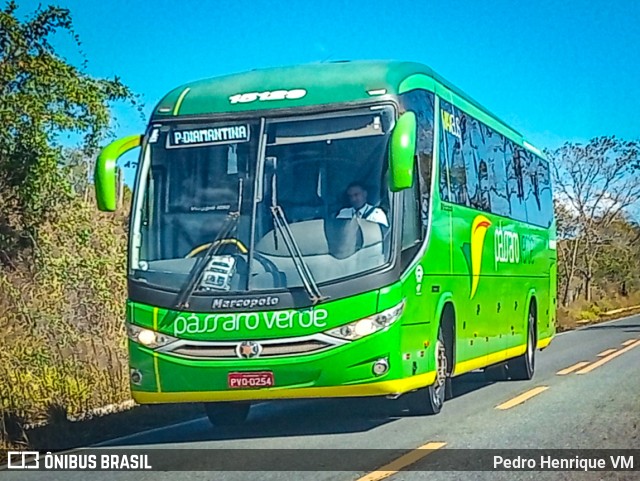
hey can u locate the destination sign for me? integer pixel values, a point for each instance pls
(209, 136)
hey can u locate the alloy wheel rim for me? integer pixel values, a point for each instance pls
(530, 341)
(441, 373)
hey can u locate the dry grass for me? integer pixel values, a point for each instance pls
(582, 313)
(62, 318)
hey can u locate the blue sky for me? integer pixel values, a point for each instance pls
(556, 71)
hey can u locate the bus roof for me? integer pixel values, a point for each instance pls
(322, 83)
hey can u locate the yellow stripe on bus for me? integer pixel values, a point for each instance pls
(542, 343)
(176, 108)
(484, 361)
(156, 369)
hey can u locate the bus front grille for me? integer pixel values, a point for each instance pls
(270, 349)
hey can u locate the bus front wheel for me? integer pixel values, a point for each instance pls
(429, 400)
(227, 413)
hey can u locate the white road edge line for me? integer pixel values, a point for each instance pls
(123, 438)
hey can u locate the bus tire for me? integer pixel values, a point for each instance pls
(429, 400)
(227, 413)
(523, 367)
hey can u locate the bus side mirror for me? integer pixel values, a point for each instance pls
(402, 152)
(105, 172)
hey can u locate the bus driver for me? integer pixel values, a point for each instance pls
(357, 195)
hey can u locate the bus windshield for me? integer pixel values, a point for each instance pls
(222, 184)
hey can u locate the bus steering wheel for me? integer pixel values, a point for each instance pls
(235, 242)
(266, 263)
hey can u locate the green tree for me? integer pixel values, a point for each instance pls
(596, 184)
(619, 261)
(41, 96)
(77, 167)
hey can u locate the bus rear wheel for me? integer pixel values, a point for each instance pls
(227, 413)
(429, 400)
(522, 368)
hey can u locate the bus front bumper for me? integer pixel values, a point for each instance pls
(344, 371)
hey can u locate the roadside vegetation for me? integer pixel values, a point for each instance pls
(597, 189)
(62, 263)
(62, 289)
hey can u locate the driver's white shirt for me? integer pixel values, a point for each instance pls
(366, 212)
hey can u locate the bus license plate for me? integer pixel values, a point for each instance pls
(250, 380)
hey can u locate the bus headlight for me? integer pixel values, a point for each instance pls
(147, 337)
(363, 327)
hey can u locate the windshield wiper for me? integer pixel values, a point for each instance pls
(195, 275)
(281, 226)
(309, 283)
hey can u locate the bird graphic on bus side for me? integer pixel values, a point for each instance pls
(478, 232)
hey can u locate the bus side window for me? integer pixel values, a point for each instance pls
(472, 140)
(444, 154)
(532, 190)
(482, 199)
(516, 186)
(411, 228)
(421, 103)
(458, 171)
(498, 175)
(546, 196)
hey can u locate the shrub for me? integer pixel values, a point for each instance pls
(588, 316)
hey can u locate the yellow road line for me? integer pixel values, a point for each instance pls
(630, 341)
(607, 352)
(522, 397)
(402, 462)
(570, 369)
(605, 360)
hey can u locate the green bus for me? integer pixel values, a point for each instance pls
(329, 230)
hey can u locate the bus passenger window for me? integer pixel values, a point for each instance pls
(482, 200)
(411, 228)
(421, 103)
(471, 140)
(458, 174)
(546, 196)
(532, 190)
(516, 186)
(498, 177)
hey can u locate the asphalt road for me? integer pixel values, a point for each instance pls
(597, 406)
